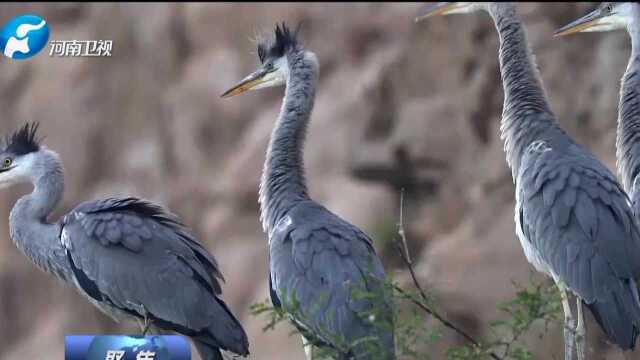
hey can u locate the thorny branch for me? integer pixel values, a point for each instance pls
(403, 249)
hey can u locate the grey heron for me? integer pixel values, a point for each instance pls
(573, 219)
(626, 16)
(317, 260)
(128, 257)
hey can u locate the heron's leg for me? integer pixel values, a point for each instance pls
(140, 324)
(144, 323)
(308, 348)
(147, 324)
(147, 321)
(569, 324)
(581, 332)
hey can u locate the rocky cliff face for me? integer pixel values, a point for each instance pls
(400, 105)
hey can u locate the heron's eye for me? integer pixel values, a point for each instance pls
(609, 8)
(7, 162)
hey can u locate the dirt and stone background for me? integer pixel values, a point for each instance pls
(399, 105)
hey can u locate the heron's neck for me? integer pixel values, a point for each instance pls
(628, 136)
(283, 183)
(526, 115)
(30, 230)
(634, 31)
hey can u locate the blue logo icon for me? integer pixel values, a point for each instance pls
(107, 347)
(24, 36)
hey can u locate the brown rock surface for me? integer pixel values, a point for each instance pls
(399, 105)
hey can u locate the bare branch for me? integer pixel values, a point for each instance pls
(403, 249)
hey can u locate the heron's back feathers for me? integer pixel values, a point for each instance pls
(578, 221)
(618, 313)
(131, 255)
(327, 262)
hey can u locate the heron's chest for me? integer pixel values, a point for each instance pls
(530, 252)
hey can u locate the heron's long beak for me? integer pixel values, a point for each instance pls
(588, 21)
(439, 8)
(257, 78)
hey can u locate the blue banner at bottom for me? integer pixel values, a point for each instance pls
(124, 347)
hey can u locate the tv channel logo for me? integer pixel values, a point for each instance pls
(123, 347)
(24, 36)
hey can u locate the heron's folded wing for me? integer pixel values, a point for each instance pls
(133, 255)
(579, 220)
(331, 270)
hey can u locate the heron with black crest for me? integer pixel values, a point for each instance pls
(130, 258)
(318, 261)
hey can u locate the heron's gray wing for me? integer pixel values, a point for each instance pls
(575, 215)
(134, 256)
(328, 264)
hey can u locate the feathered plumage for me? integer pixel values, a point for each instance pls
(283, 41)
(24, 140)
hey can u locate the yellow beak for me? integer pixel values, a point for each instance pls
(579, 25)
(439, 8)
(246, 84)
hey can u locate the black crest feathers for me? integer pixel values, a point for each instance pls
(24, 140)
(283, 41)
